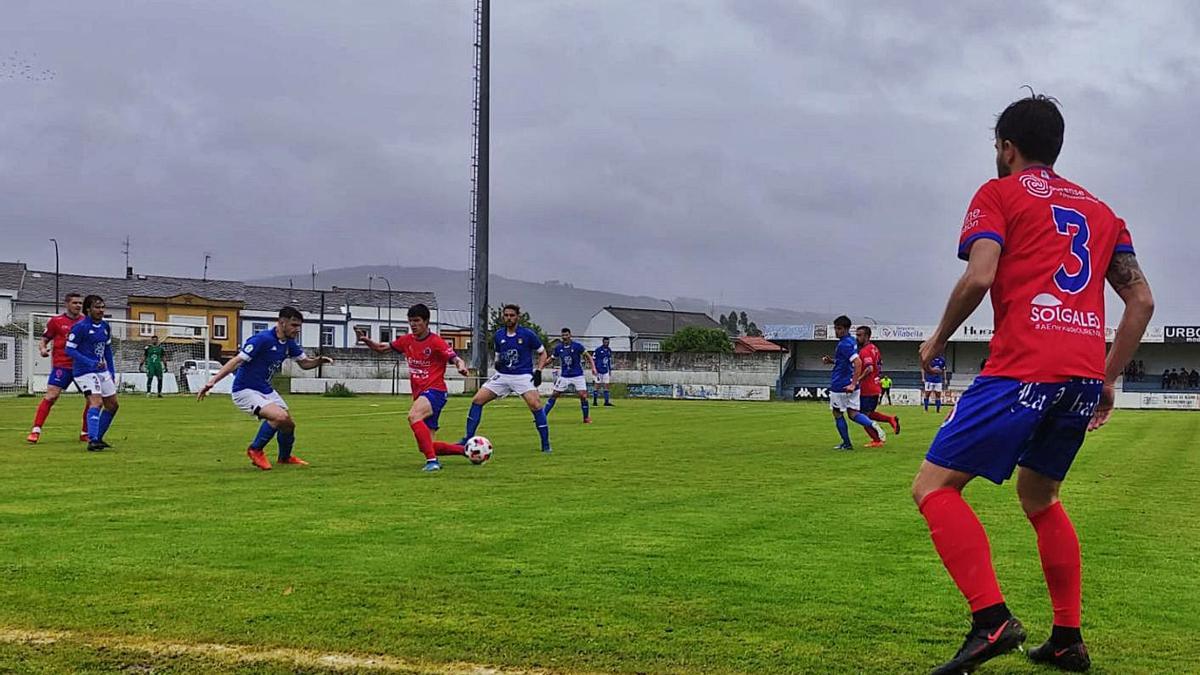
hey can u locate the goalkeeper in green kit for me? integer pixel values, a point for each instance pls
(155, 361)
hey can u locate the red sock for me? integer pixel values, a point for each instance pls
(1058, 546)
(880, 417)
(43, 412)
(424, 439)
(443, 448)
(960, 540)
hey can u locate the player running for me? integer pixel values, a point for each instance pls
(90, 346)
(571, 355)
(259, 359)
(514, 346)
(154, 359)
(872, 380)
(934, 375)
(427, 355)
(61, 377)
(602, 357)
(1040, 244)
(843, 387)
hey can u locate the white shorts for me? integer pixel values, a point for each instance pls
(603, 378)
(97, 383)
(933, 386)
(250, 401)
(580, 384)
(840, 400)
(502, 385)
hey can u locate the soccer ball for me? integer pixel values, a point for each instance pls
(478, 449)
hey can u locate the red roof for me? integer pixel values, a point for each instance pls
(756, 344)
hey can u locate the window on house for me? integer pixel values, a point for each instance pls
(258, 327)
(220, 327)
(146, 330)
(327, 336)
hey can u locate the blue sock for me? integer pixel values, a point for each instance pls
(265, 433)
(473, 419)
(286, 440)
(606, 396)
(844, 430)
(549, 406)
(104, 422)
(596, 397)
(926, 404)
(93, 422)
(583, 404)
(862, 419)
(939, 405)
(543, 427)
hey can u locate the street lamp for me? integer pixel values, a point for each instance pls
(872, 319)
(672, 314)
(371, 296)
(56, 296)
(389, 287)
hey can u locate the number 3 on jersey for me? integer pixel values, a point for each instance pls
(1073, 224)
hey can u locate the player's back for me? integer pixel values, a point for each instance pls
(1048, 294)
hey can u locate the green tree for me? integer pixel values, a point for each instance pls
(752, 330)
(496, 322)
(697, 339)
(742, 323)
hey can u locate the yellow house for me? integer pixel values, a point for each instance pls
(221, 316)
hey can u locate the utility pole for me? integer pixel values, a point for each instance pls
(207, 257)
(480, 184)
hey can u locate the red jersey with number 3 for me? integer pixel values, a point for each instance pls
(427, 358)
(57, 330)
(871, 358)
(1048, 295)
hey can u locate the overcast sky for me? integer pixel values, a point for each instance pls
(766, 152)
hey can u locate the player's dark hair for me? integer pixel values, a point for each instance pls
(866, 329)
(291, 313)
(70, 295)
(91, 300)
(842, 321)
(515, 308)
(1035, 125)
(565, 330)
(418, 311)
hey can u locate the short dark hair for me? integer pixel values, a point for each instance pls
(565, 330)
(291, 313)
(91, 300)
(1035, 126)
(605, 338)
(842, 321)
(418, 311)
(866, 329)
(70, 295)
(513, 307)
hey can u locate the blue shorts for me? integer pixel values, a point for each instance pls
(868, 404)
(437, 399)
(1001, 423)
(61, 378)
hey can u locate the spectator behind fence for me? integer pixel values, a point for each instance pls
(1141, 370)
(1194, 379)
(1166, 379)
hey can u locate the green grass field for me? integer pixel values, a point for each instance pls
(668, 537)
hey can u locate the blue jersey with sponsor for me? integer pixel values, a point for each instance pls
(938, 362)
(514, 353)
(87, 344)
(262, 356)
(603, 359)
(843, 363)
(570, 358)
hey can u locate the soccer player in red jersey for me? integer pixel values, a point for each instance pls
(1043, 247)
(427, 355)
(56, 333)
(870, 387)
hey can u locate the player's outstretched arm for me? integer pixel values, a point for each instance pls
(374, 346)
(966, 296)
(461, 366)
(587, 356)
(310, 362)
(230, 366)
(1126, 277)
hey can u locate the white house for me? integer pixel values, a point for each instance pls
(633, 329)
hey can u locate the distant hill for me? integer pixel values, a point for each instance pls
(552, 304)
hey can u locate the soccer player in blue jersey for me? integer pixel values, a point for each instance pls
(259, 359)
(935, 381)
(90, 348)
(602, 357)
(843, 387)
(515, 347)
(571, 355)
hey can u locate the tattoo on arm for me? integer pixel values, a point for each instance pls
(1124, 271)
